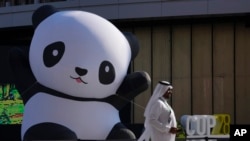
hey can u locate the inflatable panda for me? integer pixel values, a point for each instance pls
(74, 77)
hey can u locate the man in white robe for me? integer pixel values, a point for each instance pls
(160, 122)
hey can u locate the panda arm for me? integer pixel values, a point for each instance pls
(133, 85)
(21, 71)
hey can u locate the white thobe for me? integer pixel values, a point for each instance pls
(159, 122)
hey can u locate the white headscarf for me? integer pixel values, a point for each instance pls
(159, 91)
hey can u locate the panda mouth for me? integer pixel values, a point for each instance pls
(78, 80)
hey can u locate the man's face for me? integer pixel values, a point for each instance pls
(168, 94)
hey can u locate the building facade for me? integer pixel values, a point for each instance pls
(201, 46)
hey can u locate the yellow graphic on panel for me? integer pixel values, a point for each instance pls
(222, 124)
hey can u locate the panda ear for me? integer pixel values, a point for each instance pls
(42, 13)
(134, 44)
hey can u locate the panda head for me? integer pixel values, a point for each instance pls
(79, 53)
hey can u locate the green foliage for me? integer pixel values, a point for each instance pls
(180, 134)
(11, 105)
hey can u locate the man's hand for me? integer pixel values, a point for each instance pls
(174, 130)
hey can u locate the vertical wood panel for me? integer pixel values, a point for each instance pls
(213, 85)
(181, 70)
(161, 55)
(223, 69)
(242, 68)
(142, 63)
(202, 69)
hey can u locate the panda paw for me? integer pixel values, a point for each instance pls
(134, 84)
(119, 131)
(49, 131)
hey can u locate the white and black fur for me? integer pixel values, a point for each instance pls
(56, 106)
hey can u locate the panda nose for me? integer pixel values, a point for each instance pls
(80, 71)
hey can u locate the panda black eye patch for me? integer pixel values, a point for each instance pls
(53, 53)
(106, 73)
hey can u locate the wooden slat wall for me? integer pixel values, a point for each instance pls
(242, 73)
(142, 63)
(181, 69)
(161, 50)
(223, 69)
(202, 69)
(208, 65)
